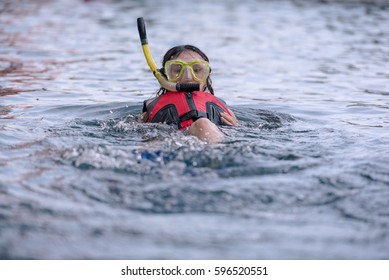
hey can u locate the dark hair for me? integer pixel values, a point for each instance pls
(176, 51)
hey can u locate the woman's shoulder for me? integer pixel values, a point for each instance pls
(147, 102)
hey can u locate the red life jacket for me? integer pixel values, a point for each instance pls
(183, 108)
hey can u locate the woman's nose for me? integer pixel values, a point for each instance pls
(187, 74)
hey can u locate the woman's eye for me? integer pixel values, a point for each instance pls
(197, 68)
(176, 69)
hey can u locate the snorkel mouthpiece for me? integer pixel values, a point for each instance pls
(153, 66)
(187, 87)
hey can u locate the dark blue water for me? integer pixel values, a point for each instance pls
(305, 175)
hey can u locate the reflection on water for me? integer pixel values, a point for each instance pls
(307, 167)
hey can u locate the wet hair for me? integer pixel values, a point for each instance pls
(176, 51)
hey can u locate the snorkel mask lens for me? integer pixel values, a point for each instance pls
(175, 69)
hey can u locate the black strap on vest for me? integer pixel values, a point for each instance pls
(194, 115)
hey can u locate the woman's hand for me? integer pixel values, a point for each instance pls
(229, 119)
(144, 117)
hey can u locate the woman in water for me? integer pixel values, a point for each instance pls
(197, 113)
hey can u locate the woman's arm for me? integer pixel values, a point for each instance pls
(145, 115)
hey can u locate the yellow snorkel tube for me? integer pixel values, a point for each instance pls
(153, 66)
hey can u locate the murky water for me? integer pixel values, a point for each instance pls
(305, 176)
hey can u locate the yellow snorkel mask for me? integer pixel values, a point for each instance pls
(176, 69)
(170, 84)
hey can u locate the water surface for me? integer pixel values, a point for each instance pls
(305, 175)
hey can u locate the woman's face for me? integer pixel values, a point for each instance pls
(187, 77)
